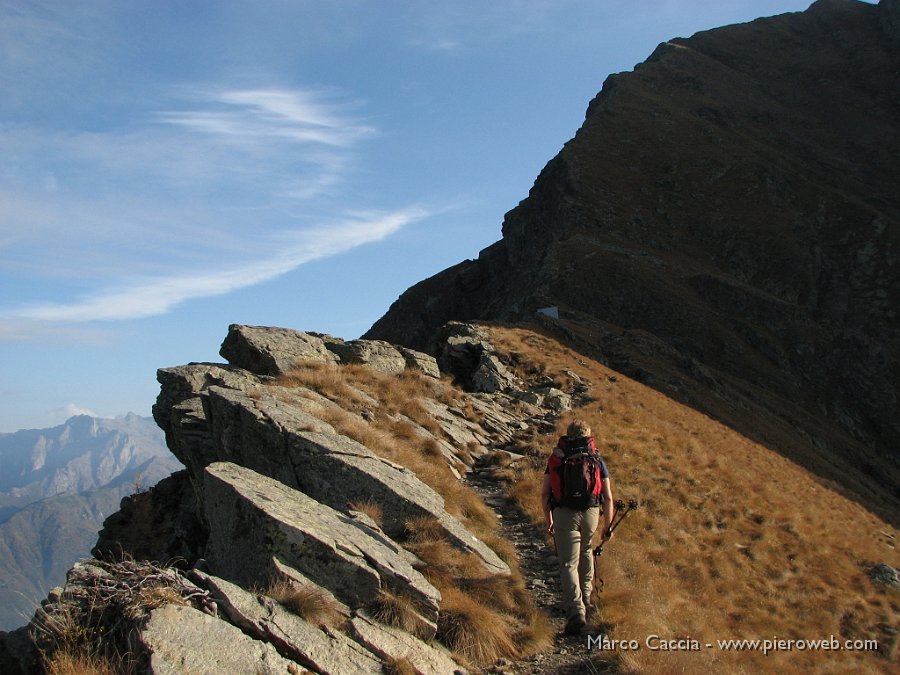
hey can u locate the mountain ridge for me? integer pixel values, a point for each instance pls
(725, 227)
(345, 470)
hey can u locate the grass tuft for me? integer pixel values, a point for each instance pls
(80, 661)
(399, 611)
(394, 665)
(475, 631)
(370, 508)
(312, 604)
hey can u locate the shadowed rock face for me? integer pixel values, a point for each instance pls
(724, 227)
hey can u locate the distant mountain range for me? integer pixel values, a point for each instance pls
(56, 488)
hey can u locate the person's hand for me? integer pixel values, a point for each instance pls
(550, 525)
(607, 534)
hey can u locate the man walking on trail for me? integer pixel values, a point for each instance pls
(576, 482)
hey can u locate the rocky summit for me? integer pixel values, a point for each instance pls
(724, 227)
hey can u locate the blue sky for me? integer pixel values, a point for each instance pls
(169, 167)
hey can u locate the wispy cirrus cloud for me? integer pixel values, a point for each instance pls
(233, 182)
(153, 296)
(300, 116)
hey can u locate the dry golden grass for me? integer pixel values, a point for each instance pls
(399, 666)
(151, 597)
(400, 611)
(78, 661)
(732, 540)
(484, 617)
(312, 604)
(91, 629)
(370, 508)
(473, 631)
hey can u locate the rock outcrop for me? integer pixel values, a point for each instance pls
(314, 647)
(274, 491)
(184, 640)
(272, 351)
(724, 227)
(266, 520)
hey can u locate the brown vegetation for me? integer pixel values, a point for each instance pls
(370, 508)
(312, 604)
(75, 661)
(90, 631)
(398, 610)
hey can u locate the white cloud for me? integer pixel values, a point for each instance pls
(222, 190)
(158, 295)
(70, 410)
(300, 116)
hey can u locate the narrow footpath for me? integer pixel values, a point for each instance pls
(568, 654)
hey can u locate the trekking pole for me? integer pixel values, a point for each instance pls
(620, 515)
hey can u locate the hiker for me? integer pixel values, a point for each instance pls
(572, 508)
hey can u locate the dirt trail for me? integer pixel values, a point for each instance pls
(567, 655)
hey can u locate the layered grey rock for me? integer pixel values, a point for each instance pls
(376, 354)
(272, 351)
(322, 650)
(492, 376)
(391, 643)
(270, 438)
(299, 579)
(185, 641)
(459, 347)
(420, 361)
(461, 431)
(253, 518)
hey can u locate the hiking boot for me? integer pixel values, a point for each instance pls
(575, 625)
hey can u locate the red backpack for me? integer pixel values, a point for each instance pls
(576, 478)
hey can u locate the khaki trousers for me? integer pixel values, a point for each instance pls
(573, 532)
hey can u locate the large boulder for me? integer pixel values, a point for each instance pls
(253, 518)
(491, 376)
(375, 354)
(272, 351)
(420, 361)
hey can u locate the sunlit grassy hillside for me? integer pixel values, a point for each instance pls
(732, 540)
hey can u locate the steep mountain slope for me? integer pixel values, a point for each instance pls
(724, 227)
(58, 485)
